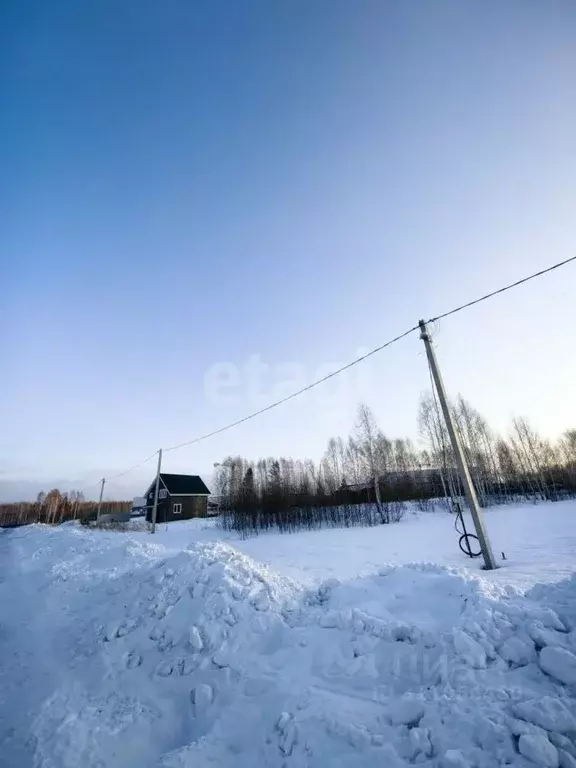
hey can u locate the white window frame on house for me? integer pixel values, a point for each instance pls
(176, 509)
(162, 493)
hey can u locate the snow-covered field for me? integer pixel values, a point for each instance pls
(360, 647)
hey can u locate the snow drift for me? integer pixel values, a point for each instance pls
(120, 652)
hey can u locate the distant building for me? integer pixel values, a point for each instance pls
(419, 482)
(180, 497)
(138, 506)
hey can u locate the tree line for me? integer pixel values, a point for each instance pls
(56, 507)
(368, 478)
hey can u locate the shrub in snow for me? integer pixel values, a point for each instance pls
(538, 750)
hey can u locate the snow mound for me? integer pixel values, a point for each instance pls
(145, 656)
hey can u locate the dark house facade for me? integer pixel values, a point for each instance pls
(180, 497)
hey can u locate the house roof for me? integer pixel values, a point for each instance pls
(183, 484)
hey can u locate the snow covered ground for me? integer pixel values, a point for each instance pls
(360, 647)
(539, 542)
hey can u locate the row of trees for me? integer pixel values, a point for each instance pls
(523, 463)
(367, 478)
(55, 507)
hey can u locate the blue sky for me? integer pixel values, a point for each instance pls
(186, 184)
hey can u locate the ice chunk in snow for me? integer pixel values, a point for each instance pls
(538, 750)
(547, 712)
(407, 712)
(559, 663)
(419, 739)
(548, 617)
(469, 649)
(566, 759)
(195, 639)
(330, 619)
(453, 758)
(202, 696)
(358, 737)
(517, 651)
(562, 742)
(390, 758)
(520, 727)
(543, 636)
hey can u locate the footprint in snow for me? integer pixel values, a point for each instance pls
(288, 733)
(164, 669)
(186, 666)
(118, 630)
(133, 660)
(156, 633)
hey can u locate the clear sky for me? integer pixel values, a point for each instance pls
(190, 183)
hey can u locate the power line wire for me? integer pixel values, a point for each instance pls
(346, 367)
(92, 485)
(136, 466)
(501, 290)
(363, 357)
(120, 474)
(294, 394)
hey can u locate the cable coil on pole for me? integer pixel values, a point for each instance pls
(466, 540)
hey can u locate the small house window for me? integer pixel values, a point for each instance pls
(163, 493)
(177, 509)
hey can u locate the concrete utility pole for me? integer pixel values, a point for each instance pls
(155, 507)
(463, 470)
(102, 483)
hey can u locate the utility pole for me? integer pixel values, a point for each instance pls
(155, 507)
(102, 483)
(377, 494)
(463, 471)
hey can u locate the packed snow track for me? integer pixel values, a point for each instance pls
(119, 651)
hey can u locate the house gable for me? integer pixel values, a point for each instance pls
(153, 485)
(177, 485)
(184, 485)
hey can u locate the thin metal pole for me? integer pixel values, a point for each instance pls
(102, 483)
(155, 507)
(463, 471)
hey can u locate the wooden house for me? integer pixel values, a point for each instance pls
(180, 497)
